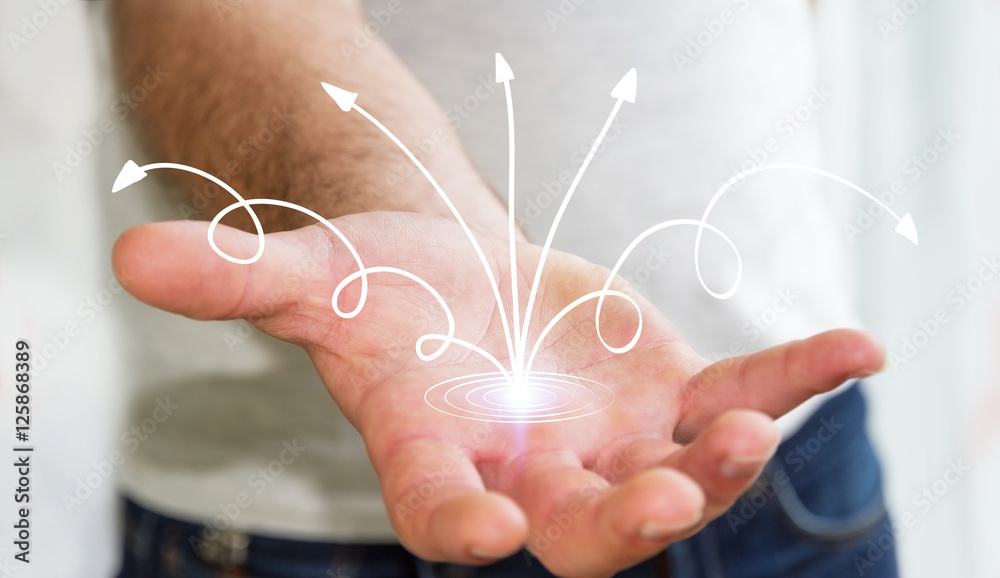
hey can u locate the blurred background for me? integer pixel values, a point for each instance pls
(905, 74)
(914, 114)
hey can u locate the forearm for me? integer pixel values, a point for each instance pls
(255, 72)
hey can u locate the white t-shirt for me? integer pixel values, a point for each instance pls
(717, 81)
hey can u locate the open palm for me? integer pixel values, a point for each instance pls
(679, 443)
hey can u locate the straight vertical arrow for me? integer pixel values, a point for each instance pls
(504, 75)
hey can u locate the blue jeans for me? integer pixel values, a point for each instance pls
(816, 512)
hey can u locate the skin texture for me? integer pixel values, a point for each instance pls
(230, 70)
(680, 443)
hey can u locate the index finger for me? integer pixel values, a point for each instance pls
(777, 380)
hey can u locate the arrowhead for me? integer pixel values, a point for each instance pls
(625, 89)
(907, 229)
(344, 99)
(129, 175)
(504, 73)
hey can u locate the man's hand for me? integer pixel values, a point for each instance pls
(681, 442)
(588, 496)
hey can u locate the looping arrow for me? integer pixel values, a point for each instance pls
(519, 378)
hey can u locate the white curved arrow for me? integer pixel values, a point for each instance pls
(346, 101)
(516, 327)
(131, 173)
(624, 91)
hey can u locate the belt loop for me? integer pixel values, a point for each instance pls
(223, 549)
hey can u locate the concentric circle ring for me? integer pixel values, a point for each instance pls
(539, 397)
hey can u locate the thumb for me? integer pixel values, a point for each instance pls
(171, 266)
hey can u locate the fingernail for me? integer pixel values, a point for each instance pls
(477, 553)
(656, 531)
(742, 467)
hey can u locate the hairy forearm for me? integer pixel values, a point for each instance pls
(244, 101)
